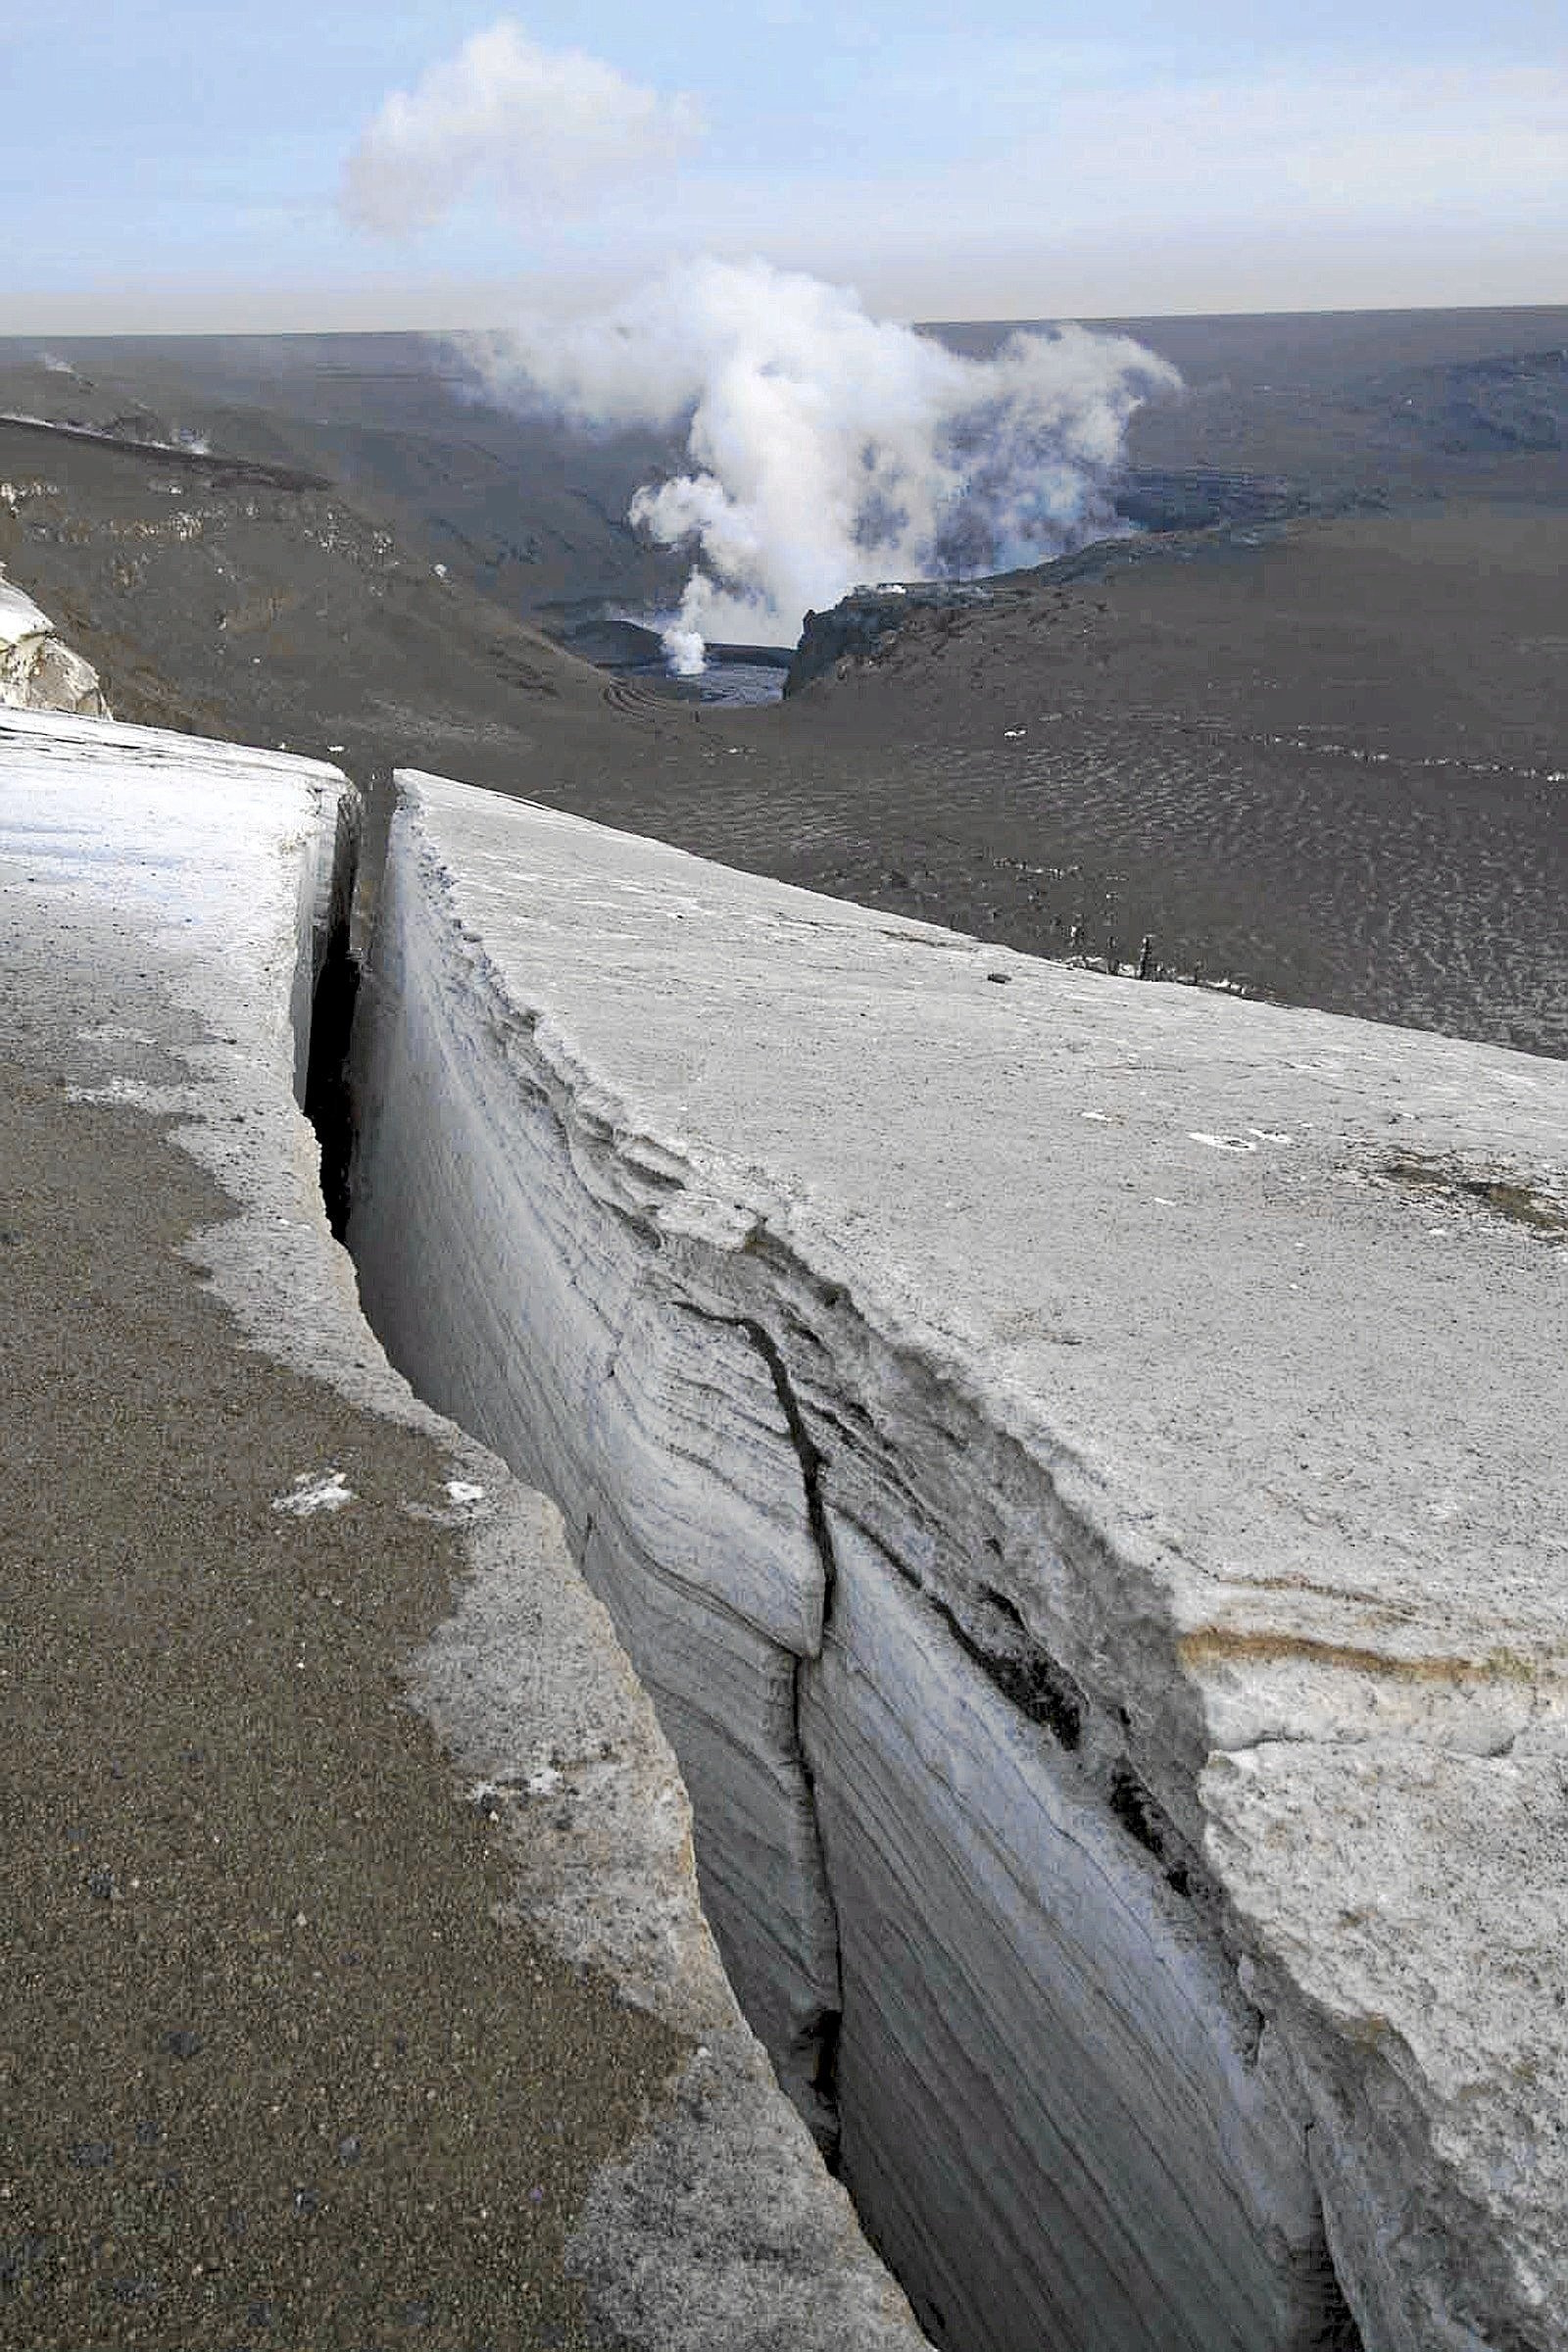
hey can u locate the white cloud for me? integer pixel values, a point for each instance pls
(542, 129)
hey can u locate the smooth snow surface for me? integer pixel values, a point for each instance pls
(1079, 1466)
(211, 851)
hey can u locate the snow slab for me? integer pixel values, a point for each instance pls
(1278, 1304)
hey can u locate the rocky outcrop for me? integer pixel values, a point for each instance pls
(1077, 1469)
(865, 623)
(1167, 509)
(38, 672)
(1197, 498)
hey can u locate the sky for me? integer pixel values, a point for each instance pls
(189, 165)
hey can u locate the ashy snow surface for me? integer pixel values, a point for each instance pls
(188, 891)
(1090, 1514)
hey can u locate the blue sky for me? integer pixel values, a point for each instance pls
(180, 165)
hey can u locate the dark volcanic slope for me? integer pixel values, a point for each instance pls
(1331, 763)
(1400, 403)
(229, 601)
(522, 510)
(1325, 757)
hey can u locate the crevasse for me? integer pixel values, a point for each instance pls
(1006, 1803)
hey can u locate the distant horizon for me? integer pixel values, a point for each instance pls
(46, 336)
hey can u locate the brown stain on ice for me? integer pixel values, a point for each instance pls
(1218, 1644)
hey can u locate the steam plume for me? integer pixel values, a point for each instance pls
(828, 447)
(539, 128)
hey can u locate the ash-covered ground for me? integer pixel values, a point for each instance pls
(1306, 734)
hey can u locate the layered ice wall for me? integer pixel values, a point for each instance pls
(1079, 1469)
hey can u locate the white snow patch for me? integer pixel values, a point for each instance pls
(37, 670)
(315, 1491)
(20, 616)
